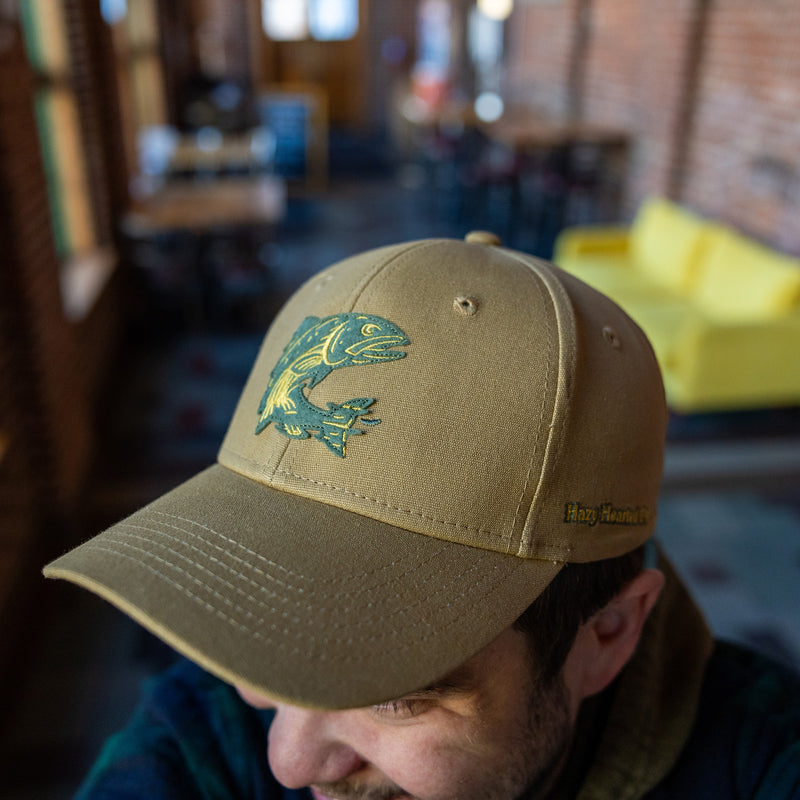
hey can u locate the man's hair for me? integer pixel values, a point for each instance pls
(551, 622)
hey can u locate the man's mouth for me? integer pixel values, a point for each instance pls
(319, 796)
(355, 795)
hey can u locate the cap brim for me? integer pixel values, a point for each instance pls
(303, 601)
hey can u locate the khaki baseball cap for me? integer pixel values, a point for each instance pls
(429, 433)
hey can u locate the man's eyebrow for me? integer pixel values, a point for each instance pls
(461, 680)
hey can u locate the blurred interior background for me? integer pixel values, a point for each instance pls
(171, 170)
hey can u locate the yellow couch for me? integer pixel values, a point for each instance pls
(721, 310)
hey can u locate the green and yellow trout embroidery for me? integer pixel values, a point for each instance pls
(318, 347)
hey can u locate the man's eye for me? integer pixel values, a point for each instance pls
(404, 708)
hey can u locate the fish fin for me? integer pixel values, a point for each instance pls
(292, 431)
(362, 406)
(339, 426)
(359, 404)
(334, 438)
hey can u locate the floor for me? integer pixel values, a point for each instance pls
(729, 517)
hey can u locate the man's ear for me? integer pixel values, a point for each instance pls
(607, 640)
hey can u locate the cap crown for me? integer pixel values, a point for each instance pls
(519, 410)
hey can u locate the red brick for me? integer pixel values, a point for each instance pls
(747, 98)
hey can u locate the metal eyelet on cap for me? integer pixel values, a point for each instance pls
(611, 337)
(465, 305)
(323, 282)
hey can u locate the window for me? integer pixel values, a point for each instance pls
(496, 9)
(285, 20)
(70, 152)
(333, 19)
(60, 132)
(324, 20)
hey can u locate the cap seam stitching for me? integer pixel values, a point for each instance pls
(553, 287)
(380, 269)
(267, 561)
(375, 500)
(538, 284)
(568, 341)
(251, 600)
(391, 507)
(258, 617)
(150, 568)
(255, 633)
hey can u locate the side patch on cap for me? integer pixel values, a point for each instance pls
(606, 513)
(318, 347)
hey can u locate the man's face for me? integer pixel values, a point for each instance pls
(486, 732)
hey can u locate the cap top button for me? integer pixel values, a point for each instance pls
(482, 237)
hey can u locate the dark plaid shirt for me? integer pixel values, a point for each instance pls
(191, 738)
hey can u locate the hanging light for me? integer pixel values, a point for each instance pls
(489, 106)
(285, 20)
(496, 9)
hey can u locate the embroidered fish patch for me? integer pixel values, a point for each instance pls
(318, 347)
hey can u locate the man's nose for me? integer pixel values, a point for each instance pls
(304, 748)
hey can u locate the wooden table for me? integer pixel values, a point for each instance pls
(534, 133)
(200, 244)
(199, 205)
(566, 172)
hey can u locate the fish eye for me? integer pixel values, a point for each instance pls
(370, 328)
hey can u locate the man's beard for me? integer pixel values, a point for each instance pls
(534, 756)
(549, 737)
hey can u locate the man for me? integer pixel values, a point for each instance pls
(423, 567)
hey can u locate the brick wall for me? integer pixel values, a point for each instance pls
(636, 79)
(744, 160)
(541, 39)
(709, 91)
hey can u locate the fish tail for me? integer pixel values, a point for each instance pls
(339, 421)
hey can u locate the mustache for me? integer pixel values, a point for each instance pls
(344, 790)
